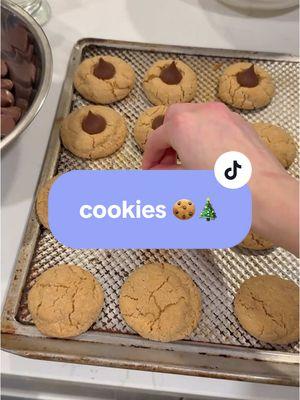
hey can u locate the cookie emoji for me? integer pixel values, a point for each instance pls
(65, 301)
(254, 242)
(279, 141)
(246, 86)
(93, 132)
(160, 302)
(170, 81)
(184, 209)
(267, 307)
(41, 204)
(104, 79)
(148, 121)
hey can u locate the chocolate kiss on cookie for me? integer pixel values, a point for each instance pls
(93, 123)
(171, 74)
(247, 77)
(104, 70)
(157, 122)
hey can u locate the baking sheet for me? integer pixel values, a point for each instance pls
(218, 273)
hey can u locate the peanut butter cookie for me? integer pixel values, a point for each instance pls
(160, 302)
(65, 301)
(184, 209)
(279, 141)
(148, 121)
(255, 242)
(41, 205)
(170, 81)
(246, 86)
(93, 131)
(268, 308)
(104, 79)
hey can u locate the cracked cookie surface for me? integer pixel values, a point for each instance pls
(268, 308)
(65, 301)
(41, 204)
(279, 141)
(144, 124)
(255, 242)
(160, 302)
(93, 146)
(104, 91)
(159, 92)
(247, 98)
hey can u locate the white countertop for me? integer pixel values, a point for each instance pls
(204, 23)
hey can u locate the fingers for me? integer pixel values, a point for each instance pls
(156, 147)
(168, 167)
(182, 124)
(169, 158)
(162, 142)
(169, 161)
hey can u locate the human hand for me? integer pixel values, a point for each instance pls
(200, 133)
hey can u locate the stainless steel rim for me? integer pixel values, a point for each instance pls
(46, 63)
(260, 6)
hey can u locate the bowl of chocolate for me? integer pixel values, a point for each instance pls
(26, 70)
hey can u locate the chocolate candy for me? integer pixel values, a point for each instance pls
(22, 103)
(18, 37)
(22, 91)
(13, 111)
(18, 67)
(23, 72)
(7, 124)
(7, 99)
(15, 37)
(93, 123)
(104, 70)
(248, 77)
(6, 84)
(171, 74)
(4, 69)
(158, 121)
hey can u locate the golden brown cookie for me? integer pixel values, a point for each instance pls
(93, 131)
(65, 301)
(268, 308)
(160, 302)
(148, 121)
(170, 81)
(279, 141)
(184, 209)
(104, 79)
(255, 242)
(246, 86)
(41, 205)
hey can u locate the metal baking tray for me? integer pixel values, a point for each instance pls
(218, 347)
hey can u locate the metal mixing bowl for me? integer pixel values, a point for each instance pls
(264, 5)
(44, 67)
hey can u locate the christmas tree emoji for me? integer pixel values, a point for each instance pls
(208, 212)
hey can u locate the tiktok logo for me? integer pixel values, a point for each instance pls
(231, 173)
(233, 170)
